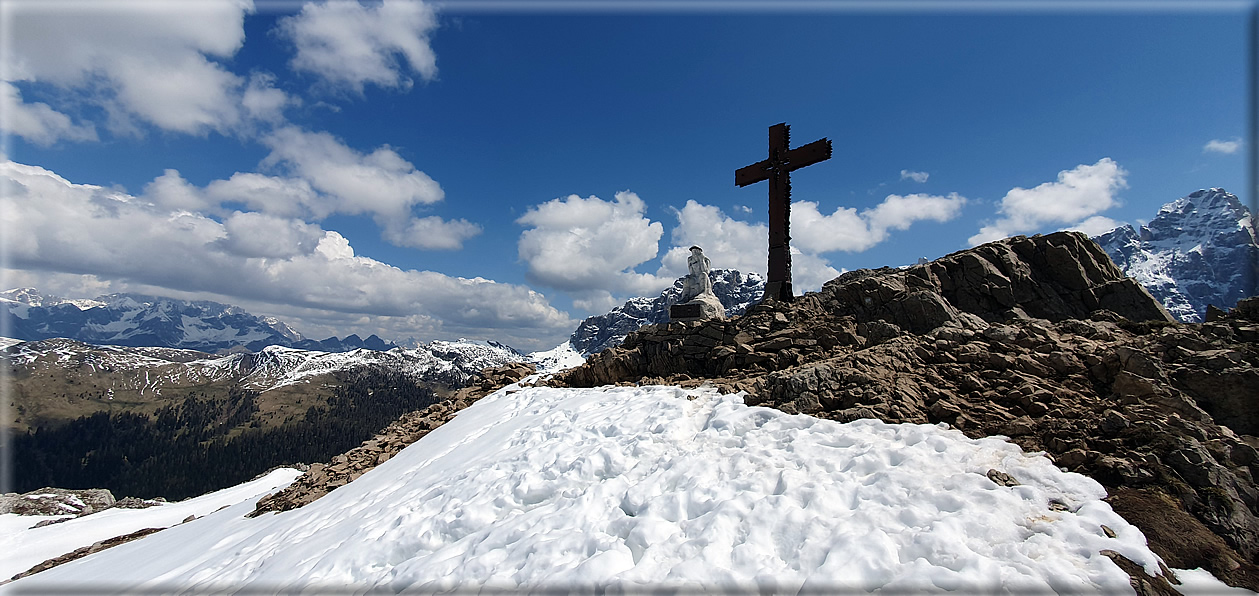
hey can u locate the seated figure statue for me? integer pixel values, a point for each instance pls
(697, 281)
(698, 301)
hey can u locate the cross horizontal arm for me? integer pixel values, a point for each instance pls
(754, 173)
(807, 155)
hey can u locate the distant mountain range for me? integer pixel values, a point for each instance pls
(1199, 249)
(737, 291)
(149, 321)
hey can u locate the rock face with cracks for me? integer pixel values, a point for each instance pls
(1040, 339)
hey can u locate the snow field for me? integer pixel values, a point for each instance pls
(627, 488)
(25, 546)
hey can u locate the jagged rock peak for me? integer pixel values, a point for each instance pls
(736, 291)
(1200, 250)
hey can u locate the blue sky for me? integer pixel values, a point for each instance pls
(502, 170)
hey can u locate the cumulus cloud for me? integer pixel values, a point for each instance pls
(348, 44)
(343, 180)
(381, 183)
(1078, 194)
(1095, 226)
(728, 243)
(915, 176)
(1222, 146)
(251, 234)
(433, 233)
(848, 230)
(154, 62)
(38, 122)
(171, 192)
(590, 246)
(287, 197)
(83, 229)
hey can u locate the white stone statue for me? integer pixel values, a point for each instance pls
(697, 281)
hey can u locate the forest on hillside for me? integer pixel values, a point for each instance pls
(188, 448)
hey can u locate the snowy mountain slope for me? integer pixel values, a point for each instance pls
(1200, 249)
(148, 370)
(138, 320)
(556, 359)
(737, 291)
(626, 488)
(26, 546)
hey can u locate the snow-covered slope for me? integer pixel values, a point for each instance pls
(1200, 249)
(737, 291)
(559, 358)
(626, 488)
(26, 546)
(138, 320)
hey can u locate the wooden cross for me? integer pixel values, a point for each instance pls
(777, 169)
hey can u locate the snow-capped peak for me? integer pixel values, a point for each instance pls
(1200, 249)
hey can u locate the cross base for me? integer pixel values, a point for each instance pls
(778, 290)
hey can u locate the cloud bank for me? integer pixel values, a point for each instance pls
(268, 258)
(141, 63)
(1079, 194)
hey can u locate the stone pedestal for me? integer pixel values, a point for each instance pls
(704, 306)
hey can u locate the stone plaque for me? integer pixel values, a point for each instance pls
(685, 311)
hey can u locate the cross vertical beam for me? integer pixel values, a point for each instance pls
(777, 170)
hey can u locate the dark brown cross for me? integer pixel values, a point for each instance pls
(777, 169)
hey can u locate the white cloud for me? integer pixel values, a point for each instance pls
(591, 245)
(1077, 195)
(37, 122)
(83, 229)
(262, 101)
(433, 233)
(260, 235)
(349, 44)
(1221, 146)
(172, 193)
(380, 183)
(847, 230)
(915, 176)
(1095, 226)
(151, 61)
(287, 197)
(728, 243)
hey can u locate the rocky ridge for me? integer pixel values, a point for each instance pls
(735, 290)
(1039, 339)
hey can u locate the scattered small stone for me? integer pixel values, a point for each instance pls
(1001, 478)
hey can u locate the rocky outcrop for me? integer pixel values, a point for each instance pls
(322, 478)
(57, 501)
(1053, 277)
(1039, 339)
(79, 553)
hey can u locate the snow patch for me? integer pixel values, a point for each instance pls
(626, 488)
